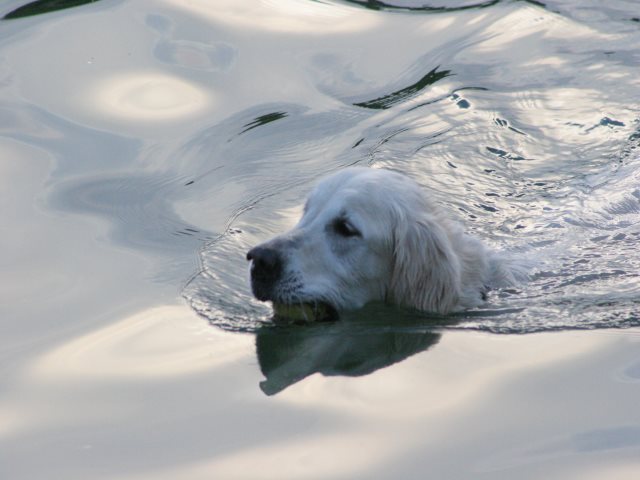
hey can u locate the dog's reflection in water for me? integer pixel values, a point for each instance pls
(353, 346)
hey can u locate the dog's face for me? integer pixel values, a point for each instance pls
(338, 254)
(362, 237)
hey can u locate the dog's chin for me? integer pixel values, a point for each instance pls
(304, 312)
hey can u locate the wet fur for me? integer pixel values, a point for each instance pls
(407, 251)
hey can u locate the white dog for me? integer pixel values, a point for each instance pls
(372, 235)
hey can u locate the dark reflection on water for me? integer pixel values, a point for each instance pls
(387, 101)
(423, 6)
(44, 6)
(263, 120)
(364, 342)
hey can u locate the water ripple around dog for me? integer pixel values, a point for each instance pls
(532, 158)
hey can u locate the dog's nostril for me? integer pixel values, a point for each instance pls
(264, 259)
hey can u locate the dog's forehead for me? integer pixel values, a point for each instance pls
(345, 201)
(326, 206)
(351, 184)
(355, 194)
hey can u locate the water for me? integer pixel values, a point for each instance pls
(521, 121)
(145, 146)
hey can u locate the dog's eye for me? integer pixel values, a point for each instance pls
(345, 229)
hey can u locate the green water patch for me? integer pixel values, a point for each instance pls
(44, 6)
(389, 100)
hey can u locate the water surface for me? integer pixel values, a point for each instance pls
(145, 146)
(520, 120)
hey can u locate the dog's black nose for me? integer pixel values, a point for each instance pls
(265, 259)
(265, 271)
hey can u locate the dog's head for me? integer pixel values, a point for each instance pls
(365, 235)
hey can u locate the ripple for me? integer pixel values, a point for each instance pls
(219, 293)
(217, 57)
(537, 161)
(138, 208)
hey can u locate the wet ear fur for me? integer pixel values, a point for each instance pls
(426, 272)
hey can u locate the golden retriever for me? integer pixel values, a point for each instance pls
(373, 235)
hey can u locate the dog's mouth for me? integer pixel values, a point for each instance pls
(304, 312)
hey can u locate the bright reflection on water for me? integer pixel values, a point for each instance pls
(144, 97)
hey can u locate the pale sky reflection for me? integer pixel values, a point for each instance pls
(351, 439)
(156, 344)
(163, 341)
(343, 454)
(293, 16)
(149, 97)
(165, 348)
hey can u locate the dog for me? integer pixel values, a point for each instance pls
(370, 235)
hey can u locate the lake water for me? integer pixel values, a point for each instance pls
(145, 146)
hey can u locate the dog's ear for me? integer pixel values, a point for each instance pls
(426, 271)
